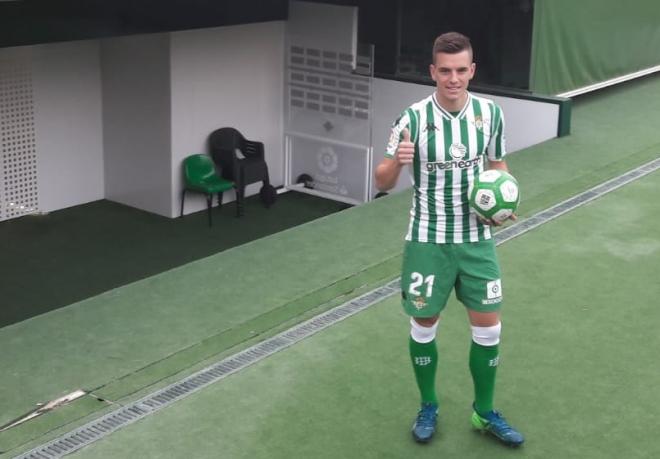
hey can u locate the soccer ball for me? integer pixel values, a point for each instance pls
(494, 195)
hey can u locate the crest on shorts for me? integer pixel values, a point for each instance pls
(419, 303)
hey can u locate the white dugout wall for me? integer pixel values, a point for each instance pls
(227, 76)
(94, 119)
(50, 110)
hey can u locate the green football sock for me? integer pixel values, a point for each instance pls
(483, 366)
(424, 357)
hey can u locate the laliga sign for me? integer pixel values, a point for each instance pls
(327, 160)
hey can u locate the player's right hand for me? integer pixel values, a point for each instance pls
(406, 149)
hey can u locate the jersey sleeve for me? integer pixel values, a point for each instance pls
(396, 133)
(497, 144)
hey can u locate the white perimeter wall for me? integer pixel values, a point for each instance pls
(227, 76)
(527, 122)
(68, 124)
(136, 121)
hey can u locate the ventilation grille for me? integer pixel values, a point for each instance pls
(18, 178)
(324, 81)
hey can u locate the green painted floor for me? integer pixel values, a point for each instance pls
(77, 253)
(130, 338)
(577, 371)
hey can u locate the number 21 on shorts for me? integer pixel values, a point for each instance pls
(417, 284)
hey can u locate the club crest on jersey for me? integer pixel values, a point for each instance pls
(457, 150)
(480, 123)
(419, 303)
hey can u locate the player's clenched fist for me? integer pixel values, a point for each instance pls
(406, 149)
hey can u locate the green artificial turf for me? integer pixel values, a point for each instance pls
(576, 370)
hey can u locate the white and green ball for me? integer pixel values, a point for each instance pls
(495, 195)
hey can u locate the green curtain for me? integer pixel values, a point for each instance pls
(576, 43)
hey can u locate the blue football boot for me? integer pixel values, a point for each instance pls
(424, 426)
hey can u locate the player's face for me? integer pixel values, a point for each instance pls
(452, 74)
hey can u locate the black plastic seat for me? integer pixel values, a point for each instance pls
(241, 161)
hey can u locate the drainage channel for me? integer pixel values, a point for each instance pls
(109, 423)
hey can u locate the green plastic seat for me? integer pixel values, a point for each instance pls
(200, 176)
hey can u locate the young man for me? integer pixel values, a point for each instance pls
(446, 138)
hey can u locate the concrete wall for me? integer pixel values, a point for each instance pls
(136, 121)
(227, 76)
(323, 26)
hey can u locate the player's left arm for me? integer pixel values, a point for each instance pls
(497, 150)
(499, 165)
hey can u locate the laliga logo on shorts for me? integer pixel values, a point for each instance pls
(493, 292)
(457, 150)
(327, 160)
(494, 289)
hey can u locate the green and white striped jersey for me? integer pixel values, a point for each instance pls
(449, 154)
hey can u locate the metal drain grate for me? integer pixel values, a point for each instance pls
(124, 416)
